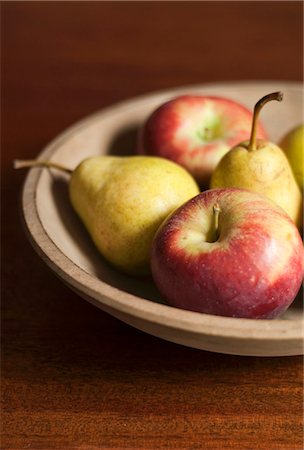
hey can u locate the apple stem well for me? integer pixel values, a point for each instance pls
(21, 163)
(278, 96)
(213, 234)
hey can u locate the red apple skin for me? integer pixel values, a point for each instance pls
(172, 132)
(254, 270)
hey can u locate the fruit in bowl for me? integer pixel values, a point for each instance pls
(196, 131)
(229, 252)
(123, 200)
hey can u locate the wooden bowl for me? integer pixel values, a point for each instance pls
(62, 242)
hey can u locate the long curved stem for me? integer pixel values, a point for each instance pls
(22, 163)
(259, 105)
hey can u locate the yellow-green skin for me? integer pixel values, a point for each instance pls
(122, 202)
(293, 146)
(265, 170)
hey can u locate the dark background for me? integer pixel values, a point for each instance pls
(72, 376)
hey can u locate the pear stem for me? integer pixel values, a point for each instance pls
(216, 214)
(259, 105)
(22, 163)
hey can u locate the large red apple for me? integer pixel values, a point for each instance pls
(196, 131)
(229, 252)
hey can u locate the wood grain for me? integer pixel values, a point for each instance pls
(72, 376)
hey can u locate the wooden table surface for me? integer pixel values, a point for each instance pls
(72, 376)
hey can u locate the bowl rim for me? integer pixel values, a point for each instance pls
(101, 293)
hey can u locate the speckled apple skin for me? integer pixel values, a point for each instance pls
(254, 269)
(172, 132)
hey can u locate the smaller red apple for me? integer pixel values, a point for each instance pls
(229, 252)
(196, 131)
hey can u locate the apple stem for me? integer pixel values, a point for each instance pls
(258, 106)
(21, 163)
(216, 213)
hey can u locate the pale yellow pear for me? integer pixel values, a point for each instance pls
(123, 200)
(262, 167)
(293, 146)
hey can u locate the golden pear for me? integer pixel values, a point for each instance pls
(123, 200)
